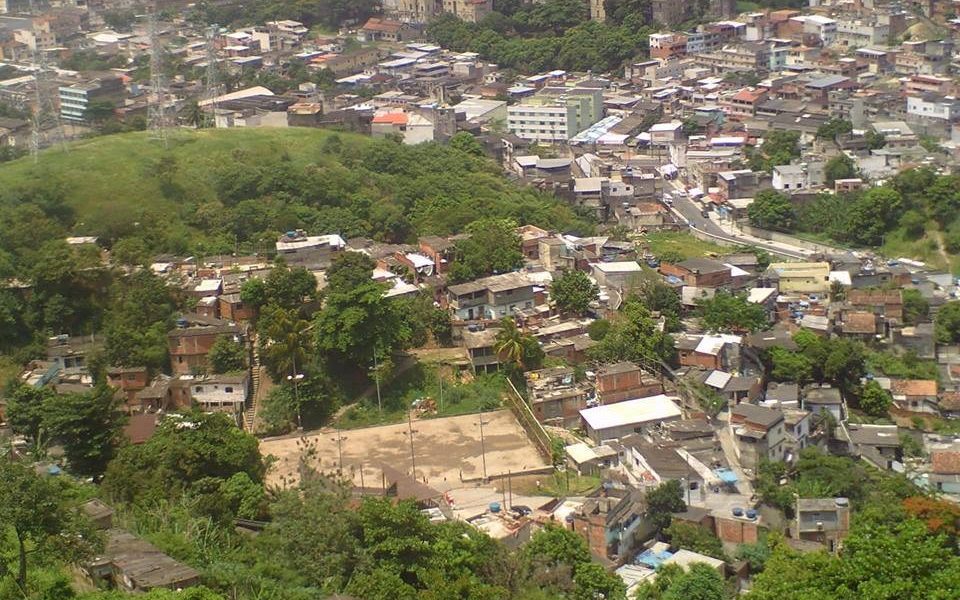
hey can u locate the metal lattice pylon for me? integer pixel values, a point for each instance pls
(47, 128)
(156, 109)
(212, 85)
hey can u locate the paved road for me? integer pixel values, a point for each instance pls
(690, 212)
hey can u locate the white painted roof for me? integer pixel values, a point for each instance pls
(632, 412)
(626, 266)
(718, 379)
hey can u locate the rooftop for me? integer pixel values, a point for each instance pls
(631, 412)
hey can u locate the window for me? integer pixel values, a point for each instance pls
(228, 389)
(198, 389)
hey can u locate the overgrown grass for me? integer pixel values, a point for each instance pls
(683, 244)
(420, 386)
(558, 484)
(117, 172)
(898, 244)
(902, 366)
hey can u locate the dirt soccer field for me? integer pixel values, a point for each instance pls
(444, 449)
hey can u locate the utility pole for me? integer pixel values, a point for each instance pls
(440, 374)
(295, 378)
(483, 448)
(340, 439)
(413, 455)
(376, 378)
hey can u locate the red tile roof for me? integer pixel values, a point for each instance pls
(382, 25)
(391, 118)
(945, 462)
(914, 387)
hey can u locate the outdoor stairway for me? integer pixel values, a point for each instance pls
(250, 412)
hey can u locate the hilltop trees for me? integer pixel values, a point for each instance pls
(226, 355)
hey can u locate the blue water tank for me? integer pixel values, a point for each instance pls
(737, 512)
(751, 514)
(494, 507)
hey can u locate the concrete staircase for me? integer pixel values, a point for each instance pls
(250, 411)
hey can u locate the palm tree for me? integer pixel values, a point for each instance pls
(286, 344)
(509, 342)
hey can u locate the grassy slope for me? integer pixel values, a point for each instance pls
(117, 169)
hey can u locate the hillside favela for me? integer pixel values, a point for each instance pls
(479, 300)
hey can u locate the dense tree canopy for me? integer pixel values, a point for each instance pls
(492, 246)
(772, 210)
(728, 312)
(634, 335)
(182, 452)
(573, 292)
(555, 34)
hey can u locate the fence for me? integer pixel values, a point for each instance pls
(534, 429)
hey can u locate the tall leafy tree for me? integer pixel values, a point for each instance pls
(285, 342)
(634, 335)
(357, 320)
(88, 425)
(36, 512)
(874, 400)
(663, 501)
(182, 451)
(729, 312)
(772, 210)
(226, 355)
(493, 246)
(573, 292)
(947, 323)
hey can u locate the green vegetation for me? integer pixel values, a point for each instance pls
(555, 34)
(560, 485)
(696, 538)
(729, 312)
(947, 324)
(680, 245)
(913, 215)
(634, 336)
(422, 383)
(903, 366)
(493, 247)
(778, 148)
(215, 190)
(772, 210)
(326, 13)
(573, 292)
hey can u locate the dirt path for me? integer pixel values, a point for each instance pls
(942, 249)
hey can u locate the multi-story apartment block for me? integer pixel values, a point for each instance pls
(76, 99)
(943, 108)
(555, 114)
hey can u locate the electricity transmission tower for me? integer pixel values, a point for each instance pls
(47, 128)
(156, 109)
(211, 89)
